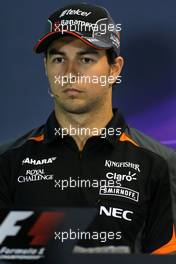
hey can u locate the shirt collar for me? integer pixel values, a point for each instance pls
(114, 128)
(117, 125)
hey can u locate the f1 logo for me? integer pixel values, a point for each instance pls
(40, 231)
(9, 227)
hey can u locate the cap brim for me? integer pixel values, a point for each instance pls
(45, 41)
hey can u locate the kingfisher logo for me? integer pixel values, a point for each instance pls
(13, 228)
(122, 164)
(38, 162)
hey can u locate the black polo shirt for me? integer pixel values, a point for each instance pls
(128, 183)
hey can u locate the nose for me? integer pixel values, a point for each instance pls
(71, 73)
(71, 68)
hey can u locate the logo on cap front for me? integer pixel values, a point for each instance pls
(77, 12)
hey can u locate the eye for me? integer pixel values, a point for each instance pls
(58, 60)
(87, 60)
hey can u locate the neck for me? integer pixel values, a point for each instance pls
(95, 119)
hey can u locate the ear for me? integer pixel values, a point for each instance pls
(116, 68)
(45, 67)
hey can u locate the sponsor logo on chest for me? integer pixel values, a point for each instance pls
(121, 182)
(122, 164)
(34, 175)
(39, 161)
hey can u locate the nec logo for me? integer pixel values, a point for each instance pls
(40, 231)
(116, 212)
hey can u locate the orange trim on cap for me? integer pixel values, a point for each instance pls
(38, 138)
(124, 137)
(168, 248)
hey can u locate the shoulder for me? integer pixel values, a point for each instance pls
(165, 156)
(19, 142)
(151, 145)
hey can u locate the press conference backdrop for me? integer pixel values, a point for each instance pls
(147, 94)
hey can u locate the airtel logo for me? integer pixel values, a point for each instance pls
(116, 212)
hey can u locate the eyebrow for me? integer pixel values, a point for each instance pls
(89, 51)
(54, 51)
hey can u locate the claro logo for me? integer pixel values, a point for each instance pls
(116, 212)
(121, 177)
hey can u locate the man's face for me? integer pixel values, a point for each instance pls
(68, 56)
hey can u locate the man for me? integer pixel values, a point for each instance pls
(110, 166)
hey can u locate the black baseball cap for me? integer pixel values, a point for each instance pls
(90, 23)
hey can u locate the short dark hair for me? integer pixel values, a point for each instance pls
(110, 53)
(111, 56)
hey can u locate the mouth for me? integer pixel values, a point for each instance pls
(72, 91)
